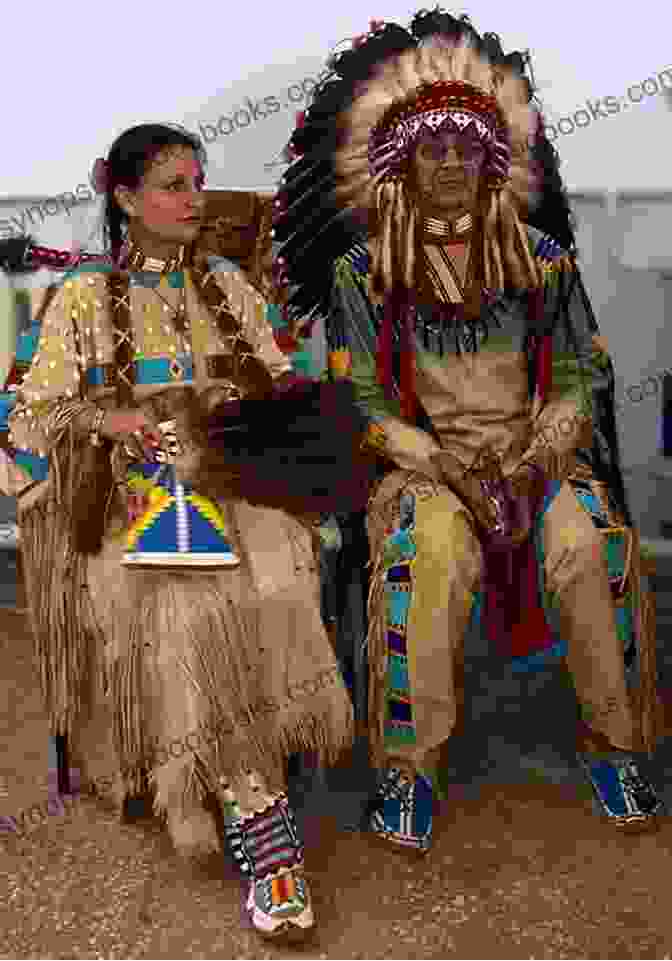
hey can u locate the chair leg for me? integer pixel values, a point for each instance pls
(62, 764)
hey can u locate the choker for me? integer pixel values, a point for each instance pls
(137, 260)
(446, 231)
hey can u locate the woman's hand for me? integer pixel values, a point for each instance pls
(125, 423)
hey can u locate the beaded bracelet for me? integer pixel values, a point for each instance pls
(374, 439)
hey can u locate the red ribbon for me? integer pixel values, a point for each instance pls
(544, 367)
(543, 345)
(285, 341)
(384, 354)
(407, 365)
(400, 313)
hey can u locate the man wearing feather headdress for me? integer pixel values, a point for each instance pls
(469, 337)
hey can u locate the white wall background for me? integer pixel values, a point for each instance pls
(627, 265)
(631, 302)
(74, 81)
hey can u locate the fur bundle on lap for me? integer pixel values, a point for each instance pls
(300, 450)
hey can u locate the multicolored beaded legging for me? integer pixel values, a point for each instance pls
(432, 568)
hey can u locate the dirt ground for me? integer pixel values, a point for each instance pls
(517, 871)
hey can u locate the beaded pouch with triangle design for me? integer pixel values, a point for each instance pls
(170, 524)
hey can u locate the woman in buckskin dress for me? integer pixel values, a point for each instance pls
(165, 618)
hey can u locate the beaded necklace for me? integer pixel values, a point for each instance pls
(245, 373)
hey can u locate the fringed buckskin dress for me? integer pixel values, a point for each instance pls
(195, 679)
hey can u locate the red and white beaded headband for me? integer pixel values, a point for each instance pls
(453, 104)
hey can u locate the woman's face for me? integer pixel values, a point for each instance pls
(447, 167)
(167, 208)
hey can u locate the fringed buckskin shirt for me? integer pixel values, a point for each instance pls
(478, 391)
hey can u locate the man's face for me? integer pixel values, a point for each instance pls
(447, 168)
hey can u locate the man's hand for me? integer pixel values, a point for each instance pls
(466, 483)
(409, 447)
(528, 480)
(503, 507)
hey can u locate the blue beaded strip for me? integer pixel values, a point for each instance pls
(548, 248)
(149, 370)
